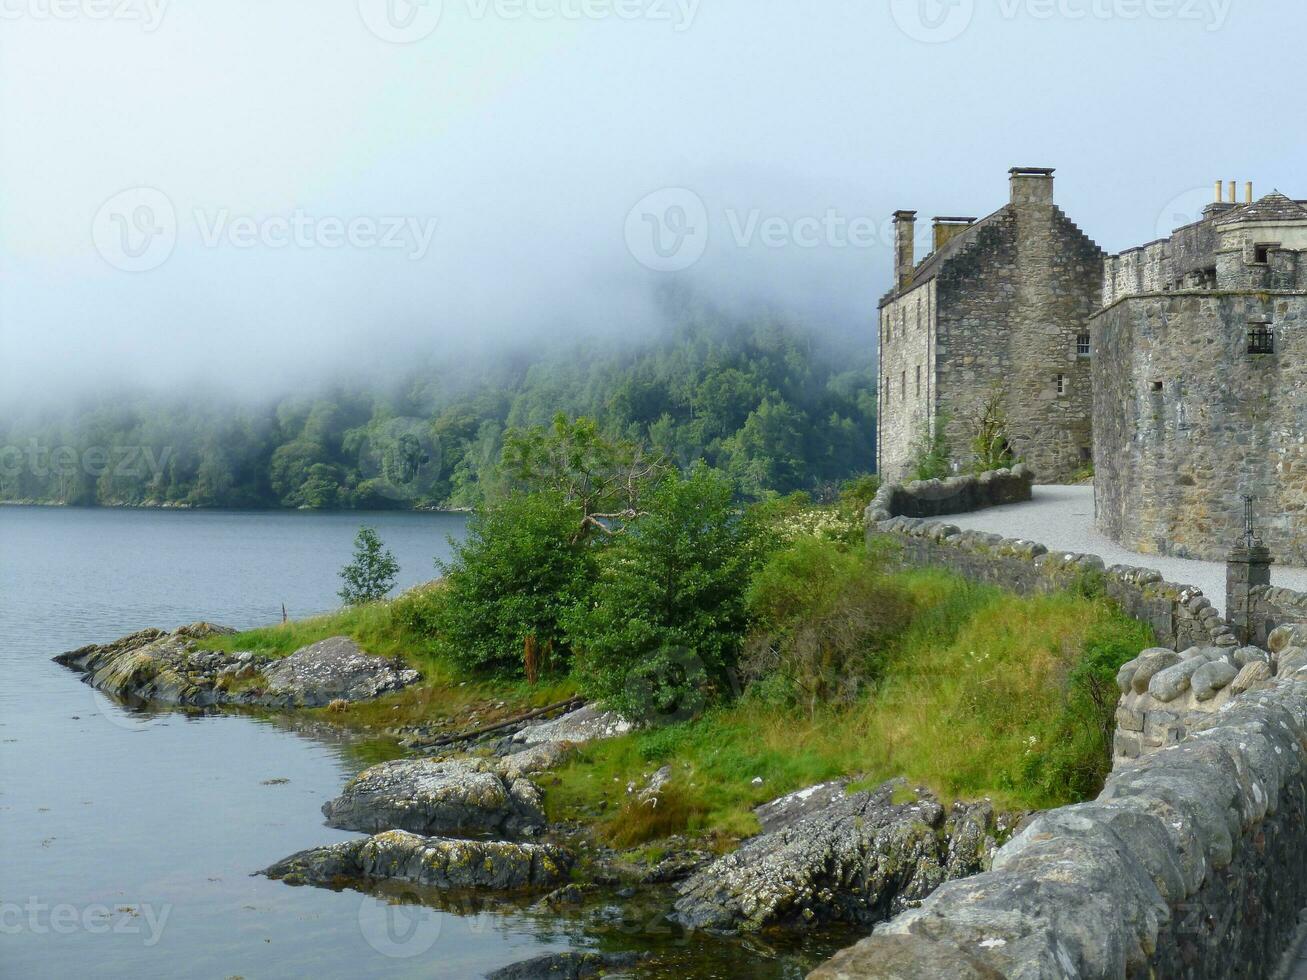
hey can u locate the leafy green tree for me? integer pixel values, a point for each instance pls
(372, 572)
(517, 573)
(661, 637)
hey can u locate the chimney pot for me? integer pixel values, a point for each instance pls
(1248, 192)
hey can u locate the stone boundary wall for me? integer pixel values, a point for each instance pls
(956, 495)
(1191, 863)
(1272, 607)
(1180, 615)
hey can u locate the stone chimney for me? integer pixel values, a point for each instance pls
(1032, 185)
(905, 223)
(947, 229)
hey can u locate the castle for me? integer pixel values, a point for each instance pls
(1177, 367)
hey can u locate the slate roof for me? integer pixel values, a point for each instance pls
(1273, 207)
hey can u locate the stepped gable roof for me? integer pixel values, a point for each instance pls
(1273, 207)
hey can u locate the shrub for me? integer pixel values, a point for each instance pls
(520, 568)
(372, 572)
(661, 638)
(639, 820)
(932, 454)
(825, 617)
(857, 494)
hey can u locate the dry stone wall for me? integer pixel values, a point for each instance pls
(1191, 863)
(1181, 616)
(956, 495)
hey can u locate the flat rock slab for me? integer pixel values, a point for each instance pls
(334, 669)
(171, 668)
(435, 862)
(585, 724)
(859, 858)
(426, 796)
(576, 965)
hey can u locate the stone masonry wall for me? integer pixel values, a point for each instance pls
(1010, 310)
(907, 378)
(956, 495)
(1186, 421)
(1181, 616)
(1192, 862)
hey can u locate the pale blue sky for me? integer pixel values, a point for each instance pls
(510, 139)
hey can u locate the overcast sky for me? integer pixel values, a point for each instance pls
(253, 191)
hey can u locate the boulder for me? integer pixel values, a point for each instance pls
(334, 669)
(859, 858)
(585, 724)
(435, 862)
(540, 757)
(426, 796)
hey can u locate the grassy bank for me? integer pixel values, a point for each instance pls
(986, 694)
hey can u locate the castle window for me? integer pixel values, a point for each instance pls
(1082, 344)
(918, 380)
(903, 385)
(1261, 338)
(1061, 384)
(1262, 254)
(1156, 386)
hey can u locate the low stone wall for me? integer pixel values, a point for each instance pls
(1272, 607)
(956, 495)
(1191, 863)
(1180, 615)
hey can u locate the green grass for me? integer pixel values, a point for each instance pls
(981, 697)
(400, 628)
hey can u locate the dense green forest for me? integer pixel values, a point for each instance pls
(776, 406)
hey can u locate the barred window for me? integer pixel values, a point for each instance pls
(1261, 338)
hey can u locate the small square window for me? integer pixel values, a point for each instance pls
(1262, 254)
(1082, 344)
(1156, 387)
(1261, 338)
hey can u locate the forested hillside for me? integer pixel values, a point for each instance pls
(772, 404)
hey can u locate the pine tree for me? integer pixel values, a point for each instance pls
(371, 574)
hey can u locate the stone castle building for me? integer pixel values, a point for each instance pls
(1179, 367)
(1200, 384)
(1001, 302)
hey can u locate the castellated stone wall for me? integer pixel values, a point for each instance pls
(1186, 421)
(1191, 863)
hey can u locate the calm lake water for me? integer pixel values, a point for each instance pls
(128, 839)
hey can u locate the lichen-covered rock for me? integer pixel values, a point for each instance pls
(427, 796)
(585, 724)
(1254, 674)
(171, 668)
(330, 670)
(860, 858)
(540, 757)
(435, 862)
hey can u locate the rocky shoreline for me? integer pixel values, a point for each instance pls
(458, 822)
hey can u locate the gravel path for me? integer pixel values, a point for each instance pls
(1062, 519)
